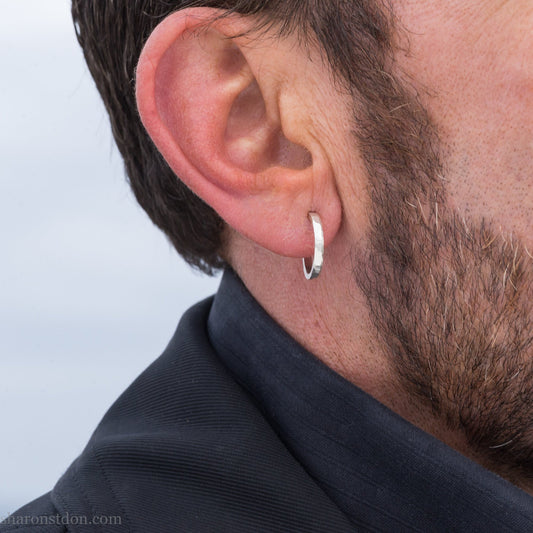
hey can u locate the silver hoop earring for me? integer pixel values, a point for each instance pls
(318, 257)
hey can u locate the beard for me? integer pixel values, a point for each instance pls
(451, 298)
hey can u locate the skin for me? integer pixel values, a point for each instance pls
(470, 68)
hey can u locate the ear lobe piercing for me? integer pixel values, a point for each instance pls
(318, 256)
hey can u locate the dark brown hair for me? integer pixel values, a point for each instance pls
(112, 35)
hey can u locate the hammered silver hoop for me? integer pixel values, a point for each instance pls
(318, 256)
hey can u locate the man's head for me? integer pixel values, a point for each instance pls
(408, 129)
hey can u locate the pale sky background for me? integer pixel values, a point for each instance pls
(90, 290)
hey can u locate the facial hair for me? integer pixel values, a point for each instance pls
(450, 297)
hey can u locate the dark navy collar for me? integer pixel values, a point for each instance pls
(384, 473)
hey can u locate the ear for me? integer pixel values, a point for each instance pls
(223, 111)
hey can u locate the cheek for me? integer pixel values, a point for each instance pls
(488, 131)
(491, 178)
(475, 77)
(483, 108)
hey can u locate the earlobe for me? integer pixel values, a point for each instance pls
(220, 127)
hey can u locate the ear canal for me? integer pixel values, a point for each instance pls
(291, 155)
